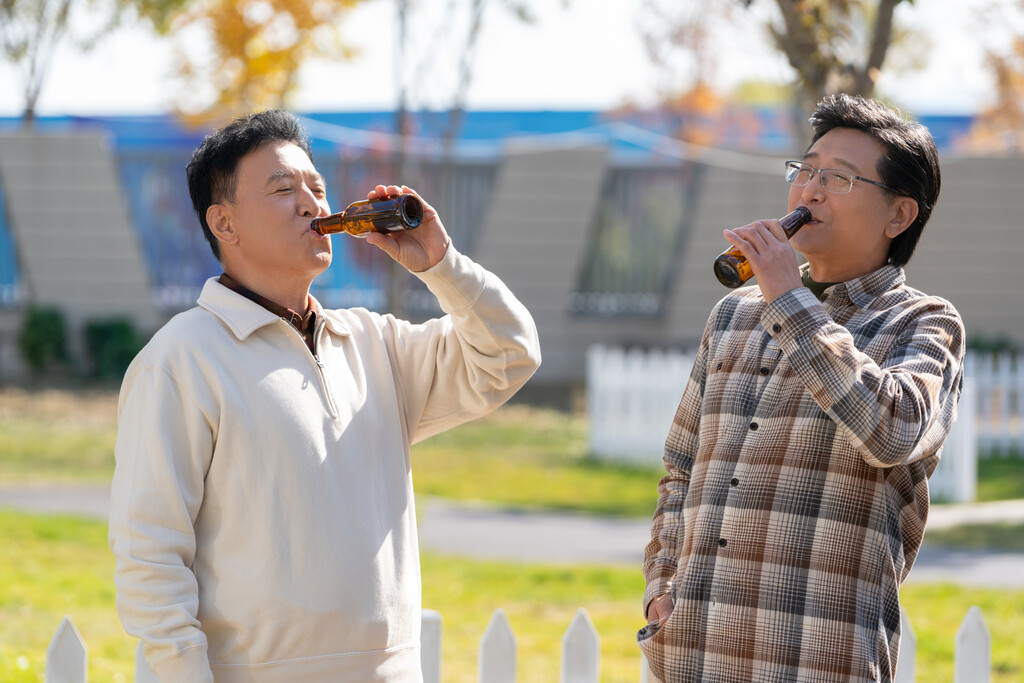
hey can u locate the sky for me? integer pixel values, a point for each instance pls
(573, 57)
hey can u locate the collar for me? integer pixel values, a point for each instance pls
(863, 290)
(304, 323)
(243, 316)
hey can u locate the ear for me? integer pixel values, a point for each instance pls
(904, 213)
(219, 218)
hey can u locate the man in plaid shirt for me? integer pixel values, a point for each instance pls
(798, 460)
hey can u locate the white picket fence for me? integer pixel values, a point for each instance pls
(999, 382)
(632, 396)
(67, 657)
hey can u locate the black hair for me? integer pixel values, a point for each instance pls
(213, 170)
(910, 164)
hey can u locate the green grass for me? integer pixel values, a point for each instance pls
(1001, 478)
(55, 566)
(531, 457)
(936, 612)
(519, 456)
(998, 535)
(57, 435)
(51, 567)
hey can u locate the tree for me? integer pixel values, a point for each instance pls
(255, 48)
(835, 45)
(831, 45)
(999, 127)
(30, 33)
(461, 22)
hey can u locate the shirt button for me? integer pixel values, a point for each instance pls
(776, 327)
(718, 367)
(753, 426)
(722, 542)
(764, 371)
(735, 481)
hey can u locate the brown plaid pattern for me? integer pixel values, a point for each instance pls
(797, 485)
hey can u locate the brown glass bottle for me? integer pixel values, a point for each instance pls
(732, 268)
(385, 214)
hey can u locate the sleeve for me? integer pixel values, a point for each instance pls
(661, 555)
(464, 365)
(163, 451)
(894, 411)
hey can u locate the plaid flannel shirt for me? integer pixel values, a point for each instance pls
(797, 487)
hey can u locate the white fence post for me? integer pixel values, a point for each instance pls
(973, 659)
(581, 650)
(955, 479)
(645, 669)
(67, 657)
(430, 646)
(143, 674)
(498, 651)
(906, 665)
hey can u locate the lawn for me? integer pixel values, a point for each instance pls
(520, 456)
(57, 565)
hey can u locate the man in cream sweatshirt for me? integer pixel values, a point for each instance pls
(262, 504)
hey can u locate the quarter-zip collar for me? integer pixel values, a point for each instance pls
(243, 317)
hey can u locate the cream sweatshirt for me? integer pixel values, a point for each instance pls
(262, 514)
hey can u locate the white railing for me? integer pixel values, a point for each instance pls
(999, 379)
(67, 656)
(632, 396)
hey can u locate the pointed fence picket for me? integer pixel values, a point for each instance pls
(498, 651)
(67, 655)
(581, 650)
(906, 666)
(973, 663)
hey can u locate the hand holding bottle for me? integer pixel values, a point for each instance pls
(416, 250)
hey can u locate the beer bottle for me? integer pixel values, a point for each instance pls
(732, 268)
(384, 214)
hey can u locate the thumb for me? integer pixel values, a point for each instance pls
(385, 243)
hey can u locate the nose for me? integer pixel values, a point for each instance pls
(310, 205)
(814, 191)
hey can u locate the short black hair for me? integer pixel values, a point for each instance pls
(910, 164)
(213, 170)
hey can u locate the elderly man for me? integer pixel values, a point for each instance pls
(798, 460)
(262, 504)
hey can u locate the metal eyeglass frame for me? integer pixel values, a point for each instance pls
(793, 168)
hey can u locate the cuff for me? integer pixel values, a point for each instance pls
(455, 280)
(191, 664)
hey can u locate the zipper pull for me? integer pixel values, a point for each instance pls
(319, 362)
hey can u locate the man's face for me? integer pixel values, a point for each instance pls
(278, 193)
(846, 237)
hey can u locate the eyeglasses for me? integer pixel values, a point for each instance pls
(832, 180)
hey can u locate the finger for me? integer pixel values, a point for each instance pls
(759, 235)
(384, 242)
(775, 228)
(737, 240)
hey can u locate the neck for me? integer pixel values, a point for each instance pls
(832, 272)
(293, 295)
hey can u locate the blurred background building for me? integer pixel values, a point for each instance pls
(604, 220)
